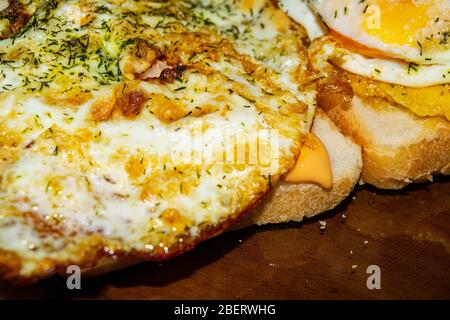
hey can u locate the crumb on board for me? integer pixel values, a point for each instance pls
(323, 225)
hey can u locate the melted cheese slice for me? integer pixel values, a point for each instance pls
(313, 165)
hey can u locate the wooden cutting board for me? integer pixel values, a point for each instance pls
(406, 234)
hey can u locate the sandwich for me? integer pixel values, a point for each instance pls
(384, 79)
(133, 130)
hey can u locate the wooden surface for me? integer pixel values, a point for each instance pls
(407, 234)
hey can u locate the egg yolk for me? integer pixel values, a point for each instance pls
(396, 21)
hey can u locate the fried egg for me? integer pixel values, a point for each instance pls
(115, 116)
(411, 30)
(380, 69)
(379, 64)
(371, 39)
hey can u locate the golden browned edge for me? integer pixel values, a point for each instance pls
(97, 258)
(279, 206)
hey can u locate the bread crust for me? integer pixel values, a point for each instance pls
(392, 164)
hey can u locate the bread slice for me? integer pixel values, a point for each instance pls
(399, 147)
(291, 202)
(294, 202)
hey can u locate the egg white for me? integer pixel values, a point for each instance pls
(389, 71)
(300, 11)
